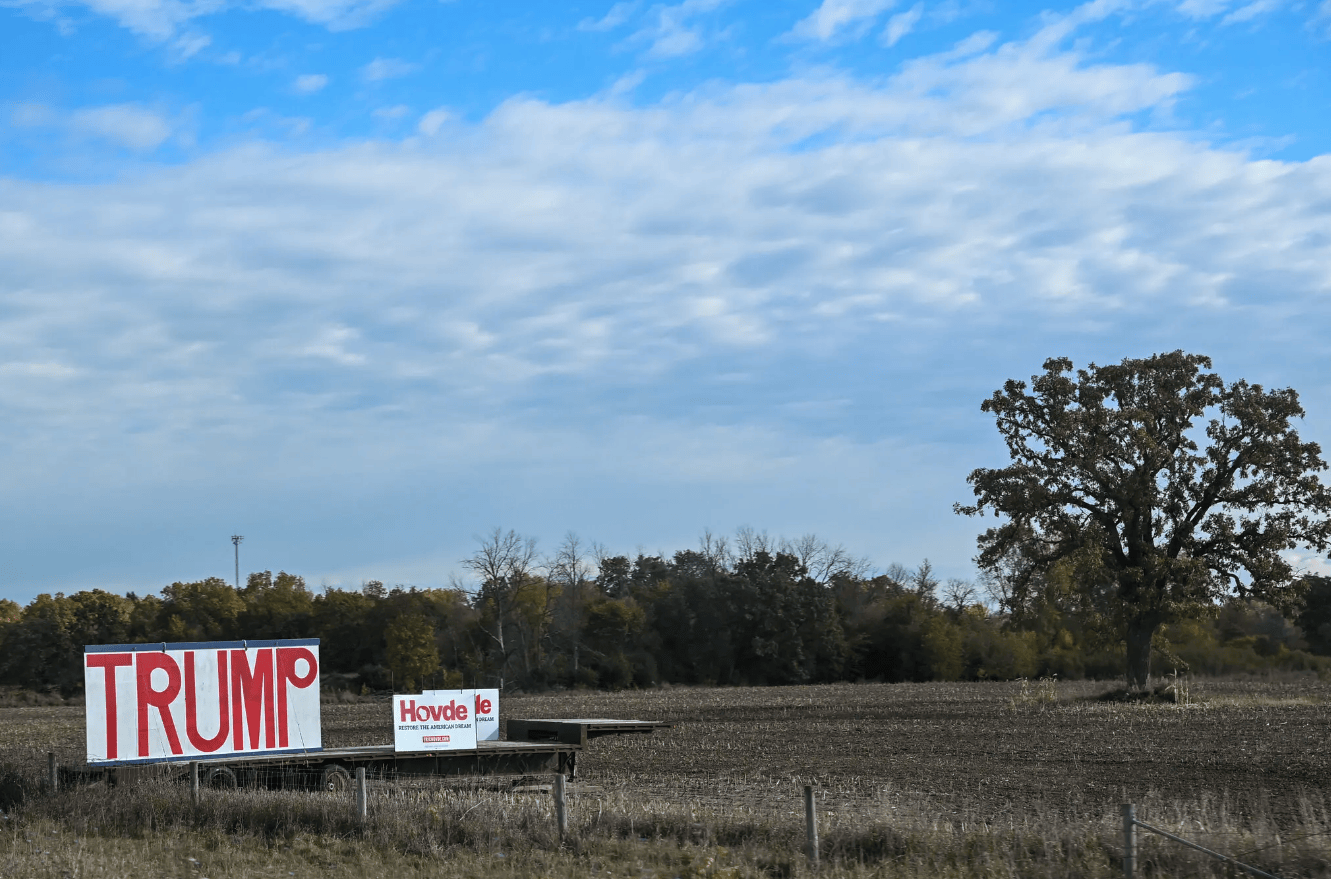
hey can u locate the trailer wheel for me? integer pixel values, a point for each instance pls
(222, 777)
(336, 780)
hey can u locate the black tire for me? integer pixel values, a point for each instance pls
(222, 777)
(336, 780)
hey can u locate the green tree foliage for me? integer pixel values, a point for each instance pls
(10, 611)
(43, 648)
(342, 620)
(612, 632)
(413, 655)
(206, 610)
(39, 648)
(1245, 636)
(276, 607)
(1314, 616)
(784, 623)
(749, 613)
(1163, 487)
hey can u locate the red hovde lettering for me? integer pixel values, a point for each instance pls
(252, 695)
(451, 711)
(145, 664)
(206, 746)
(482, 705)
(410, 711)
(109, 662)
(286, 673)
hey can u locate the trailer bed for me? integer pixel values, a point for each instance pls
(578, 730)
(540, 746)
(332, 768)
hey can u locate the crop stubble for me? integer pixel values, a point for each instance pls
(972, 752)
(959, 752)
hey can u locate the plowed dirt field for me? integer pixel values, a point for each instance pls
(966, 751)
(962, 752)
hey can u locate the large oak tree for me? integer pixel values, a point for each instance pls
(1153, 484)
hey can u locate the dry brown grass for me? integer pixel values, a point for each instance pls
(913, 780)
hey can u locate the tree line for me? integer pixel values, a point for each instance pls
(749, 610)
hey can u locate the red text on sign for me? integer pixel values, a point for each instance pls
(410, 712)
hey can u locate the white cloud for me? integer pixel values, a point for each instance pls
(309, 83)
(128, 125)
(1234, 11)
(834, 15)
(432, 121)
(331, 344)
(38, 370)
(29, 114)
(187, 46)
(627, 83)
(1203, 8)
(618, 15)
(1250, 11)
(387, 68)
(722, 235)
(673, 31)
(972, 45)
(391, 114)
(902, 23)
(161, 19)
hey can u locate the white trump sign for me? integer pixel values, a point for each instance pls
(153, 702)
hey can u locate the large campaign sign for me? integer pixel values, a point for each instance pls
(432, 722)
(445, 720)
(155, 702)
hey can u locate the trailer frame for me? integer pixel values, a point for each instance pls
(332, 768)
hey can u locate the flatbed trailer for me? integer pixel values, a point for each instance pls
(332, 768)
(578, 730)
(541, 746)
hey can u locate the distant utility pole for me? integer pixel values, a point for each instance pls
(236, 539)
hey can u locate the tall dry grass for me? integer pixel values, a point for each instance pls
(481, 829)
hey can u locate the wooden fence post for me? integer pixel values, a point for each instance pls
(561, 809)
(811, 820)
(52, 778)
(1129, 840)
(194, 782)
(362, 795)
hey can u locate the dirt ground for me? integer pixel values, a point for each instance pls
(976, 752)
(963, 752)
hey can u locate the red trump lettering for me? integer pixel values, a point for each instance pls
(252, 696)
(286, 673)
(144, 666)
(109, 662)
(207, 746)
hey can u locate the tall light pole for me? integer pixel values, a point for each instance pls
(236, 539)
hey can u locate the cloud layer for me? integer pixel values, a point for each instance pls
(738, 304)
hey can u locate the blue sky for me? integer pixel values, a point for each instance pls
(364, 280)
